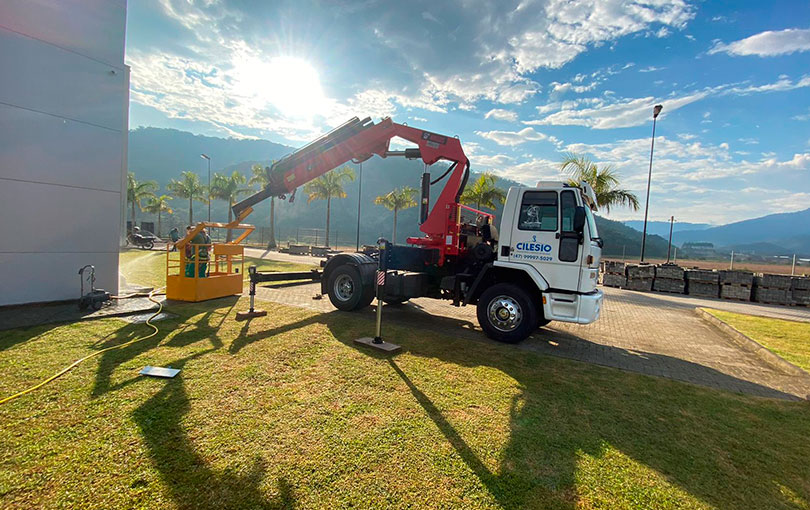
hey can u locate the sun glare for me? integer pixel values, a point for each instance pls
(289, 84)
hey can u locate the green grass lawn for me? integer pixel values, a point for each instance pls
(788, 339)
(284, 411)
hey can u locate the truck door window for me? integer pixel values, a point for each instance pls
(568, 206)
(569, 240)
(538, 211)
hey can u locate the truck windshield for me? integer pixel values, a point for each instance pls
(591, 223)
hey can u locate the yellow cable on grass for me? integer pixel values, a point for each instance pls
(78, 361)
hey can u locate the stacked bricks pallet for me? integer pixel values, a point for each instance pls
(640, 276)
(614, 274)
(774, 289)
(736, 285)
(669, 278)
(702, 283)
(800, 291)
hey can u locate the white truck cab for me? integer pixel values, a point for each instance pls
(540, 235)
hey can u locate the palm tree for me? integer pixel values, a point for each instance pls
(604, 181)
(484, 193)
(229, 188)
(138, 191)
(396, 200)
(158, 205)
(260, 177)
(189, 187)
(328, 186)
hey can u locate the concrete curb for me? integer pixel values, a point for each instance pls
(773, 360)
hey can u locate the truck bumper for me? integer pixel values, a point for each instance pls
(576, 308)
(590, 306)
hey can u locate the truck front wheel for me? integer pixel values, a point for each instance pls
(506, 313)
(346, 290)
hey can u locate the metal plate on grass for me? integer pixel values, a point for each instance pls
(160, 372)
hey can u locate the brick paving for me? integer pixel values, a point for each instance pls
(649, 333)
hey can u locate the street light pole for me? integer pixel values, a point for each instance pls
(656, 110)
(359, 201)
(669, 246)
(206, 157)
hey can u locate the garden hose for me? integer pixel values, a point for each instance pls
(96, 353)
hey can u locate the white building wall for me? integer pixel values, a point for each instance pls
(64, 96)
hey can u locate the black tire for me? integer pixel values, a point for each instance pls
(514, 305)
(97, 305)
(395, 301)
(149, 245)
(345, 289)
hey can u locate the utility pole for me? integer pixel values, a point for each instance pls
(793, 267)
(656, 110)
(731, 266)
(208, 158)
(359, 201)
(669, 246)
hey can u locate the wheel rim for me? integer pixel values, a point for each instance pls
(504, 313)
(344, 287)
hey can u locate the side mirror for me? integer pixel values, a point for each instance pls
(579, 220)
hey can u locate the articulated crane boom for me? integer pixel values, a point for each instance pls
(358, 140)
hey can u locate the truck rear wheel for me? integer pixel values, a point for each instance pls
(346, 291)
(506, 313)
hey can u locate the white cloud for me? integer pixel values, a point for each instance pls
(767, 44)
(781, 85)
(490, 59)
(623, 113)
(512, 138)
(606, 113)
(500, 114)
(683, 172)
(651, 69)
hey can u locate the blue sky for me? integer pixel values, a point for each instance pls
(520, 82)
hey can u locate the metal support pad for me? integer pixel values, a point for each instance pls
(383, 346)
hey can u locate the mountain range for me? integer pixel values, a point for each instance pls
(161, 154)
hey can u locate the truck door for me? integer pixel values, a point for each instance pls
(543, 236)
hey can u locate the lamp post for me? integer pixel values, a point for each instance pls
(656, 110)
(359, 201)
(206, 157)
(669, 246)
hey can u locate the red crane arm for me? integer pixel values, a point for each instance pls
(357, 141)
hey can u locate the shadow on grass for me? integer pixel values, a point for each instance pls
(204, 327)
(189, 479)
(729, 451)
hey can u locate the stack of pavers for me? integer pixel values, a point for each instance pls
(773, 289)
(669, 278)
(800, 290)
(640, 276)
(614, 275)
(736, 285)
(702, 283)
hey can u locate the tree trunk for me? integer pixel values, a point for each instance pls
(132, 227)
(158, 232)
(328, 210)
(229, 234)
(190, 212)
(394, 236)
(271, 243)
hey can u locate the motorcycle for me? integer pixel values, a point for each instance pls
(143, 239)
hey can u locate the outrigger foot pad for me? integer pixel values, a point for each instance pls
(381, 345)
(242, 316)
